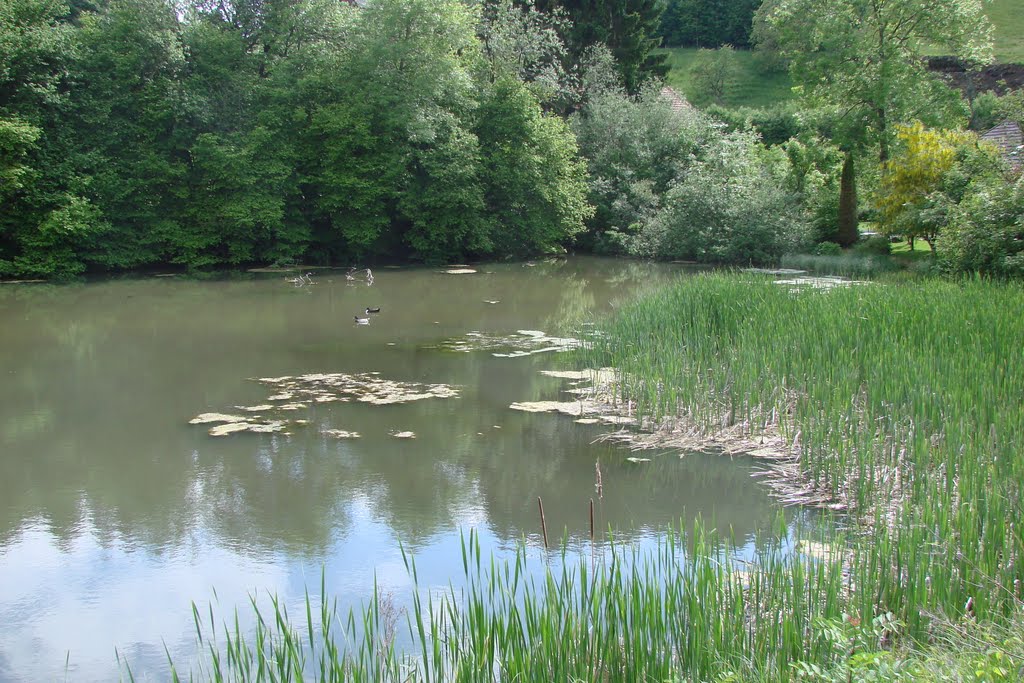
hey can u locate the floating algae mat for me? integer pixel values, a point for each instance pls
(591, 389)
(521, 343)
(291, 394)
(823, 282)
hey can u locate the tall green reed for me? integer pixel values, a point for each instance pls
(689, 609)
(903, 399)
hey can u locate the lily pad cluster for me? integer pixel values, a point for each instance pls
(297, 393)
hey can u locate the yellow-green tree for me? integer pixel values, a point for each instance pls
(911, 200)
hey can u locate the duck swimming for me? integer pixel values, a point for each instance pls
(372, 310)
(362, 321)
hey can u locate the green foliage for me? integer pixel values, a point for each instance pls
(847, 232)
(828, 249)
(635, 149)
(729, 207)
(17, 139)
(707, 23)
(876, 245)
(443, 200)
(202, 135)
(626, 27)
(522, 42)
(35, 46)
(826, 43)
(130, 64)
(814, 169)
(536, 188)
(985, 233)
(713, 74)
(671, 184)
(51, 250)
(985, 111)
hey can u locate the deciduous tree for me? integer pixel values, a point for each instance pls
(865, 56)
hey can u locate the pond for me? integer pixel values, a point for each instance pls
(116, 513)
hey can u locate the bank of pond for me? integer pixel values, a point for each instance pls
(898, 402)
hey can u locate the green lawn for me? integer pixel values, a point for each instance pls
(1008, 17)
(920, 247)
(753, 87)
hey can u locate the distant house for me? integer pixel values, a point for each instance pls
(1009, 139)
(677, 101)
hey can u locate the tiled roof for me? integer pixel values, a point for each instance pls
(677, 101)
(1007, 136)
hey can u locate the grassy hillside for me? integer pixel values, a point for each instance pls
(1008, 17)
(753, 87)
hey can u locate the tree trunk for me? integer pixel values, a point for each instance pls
(848, 233)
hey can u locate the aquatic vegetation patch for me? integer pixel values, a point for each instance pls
(224, 424)
(295, 393)
(823, 282)
(367, 387)
(573, 408)
(340, 434)
(521, 343)
(895, 403)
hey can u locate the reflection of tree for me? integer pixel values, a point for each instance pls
(101, 379)
(278, 496)
(660, 493)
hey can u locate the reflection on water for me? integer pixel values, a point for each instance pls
(115, 513)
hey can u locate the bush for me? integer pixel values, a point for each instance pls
(986, 233)
(984, 112)
(775, 124)
(730, 207)
(828, 249)
(877, 245)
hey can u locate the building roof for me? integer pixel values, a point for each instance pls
(1007, 136)
(677, 101)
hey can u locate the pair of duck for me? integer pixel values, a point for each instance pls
(366, 320)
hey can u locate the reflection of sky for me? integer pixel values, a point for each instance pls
(85, 602)
(115, 514)
(79, 603)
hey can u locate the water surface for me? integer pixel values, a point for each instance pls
(116, 513)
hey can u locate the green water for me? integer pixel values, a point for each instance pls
(115, 512)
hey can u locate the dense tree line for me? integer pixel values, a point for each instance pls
(708, 23)
(228, 133)
(138, 133)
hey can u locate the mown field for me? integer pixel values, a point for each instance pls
(1008, 18)
(754, 86)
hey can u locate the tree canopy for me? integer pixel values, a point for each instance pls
(142, 132)
(864, 57)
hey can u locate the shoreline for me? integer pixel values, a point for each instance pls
(778, 459)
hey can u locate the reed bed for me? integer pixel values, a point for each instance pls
(902, 399)
(689, 610)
